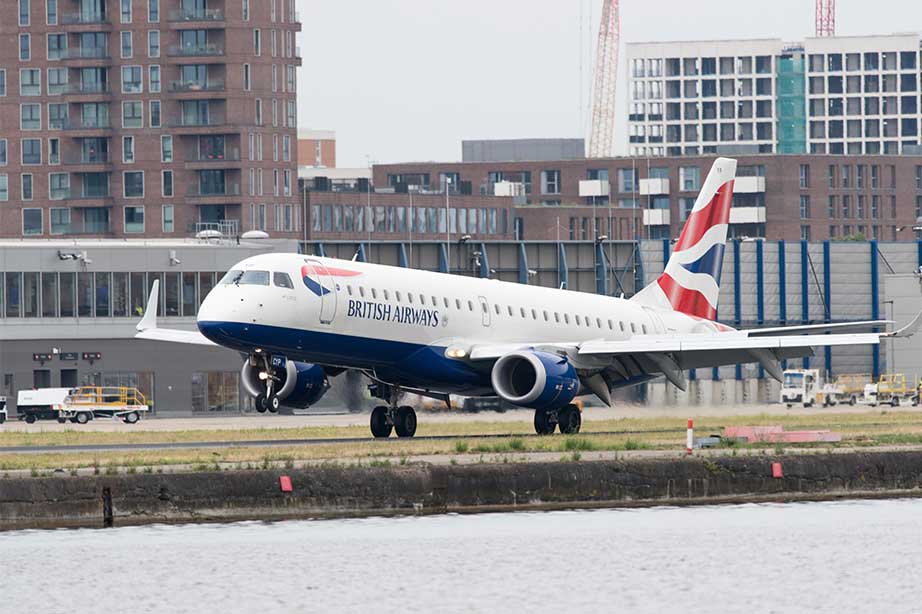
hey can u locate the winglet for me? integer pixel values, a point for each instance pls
(149, 320)
(910, 329)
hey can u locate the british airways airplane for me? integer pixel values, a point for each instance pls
(300, 320)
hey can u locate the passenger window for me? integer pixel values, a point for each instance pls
(362, 291)
(633, 328)
(509, 309)
(621, 324)
(410, 297)
(374, 294)
(435, 302)
(534, 314)
(577, 320)
(422, 299)
(458, 304)
(397, 295)
(386, 296)
(556, 317)
(566, 318)
(445, 299)
(470, 305)
(610, 325)
(484, 307)
(282, 280)
(644, 327)
(522, 311)
(496, 309)
(349, 290)
(545, 315)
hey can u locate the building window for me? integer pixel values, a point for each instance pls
(259, 112)
(167, 184)
(3, 82)
(550, 182)
(51, 12)
(26, 186)
(128, 149)
(132, 115)
(30, 117)
(246, 10)
(153, 44)
(134, 184)
(25, 47)
(57, 81)
(32, 222)
(627, 180)
(127, 45)
(246, 77)
(30, 82)
(31, 151)
(833, 206)
(153, 11)
(126, 11)
(166, 148)
(153, 77)
(257, 41)
(23, 12)
(155, 114)
(167, 211)
(4, 187)
(804, 176)
(58, 185)
(57, 45)
(804, 207)
(60, 220)
(132, 80)
(689, 178)
(134, 219)
(54, 150)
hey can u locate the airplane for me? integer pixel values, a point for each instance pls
(300, 320)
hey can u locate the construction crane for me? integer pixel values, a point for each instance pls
(606, 76)
(825, 17)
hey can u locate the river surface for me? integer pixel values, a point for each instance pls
(862, 556)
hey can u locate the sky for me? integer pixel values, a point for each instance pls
(408, 80)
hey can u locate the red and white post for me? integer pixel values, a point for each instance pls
(690, 437)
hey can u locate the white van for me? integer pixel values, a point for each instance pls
(41, 404)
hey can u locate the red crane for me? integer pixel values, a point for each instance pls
(606, 76)
(825, 17)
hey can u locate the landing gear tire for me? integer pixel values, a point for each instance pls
(569, 420)
(405, 421)
(544, 423)
(82, 418)
(380, 429)
(260, 403)
(273, 405)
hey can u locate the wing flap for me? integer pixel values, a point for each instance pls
(175, 336)
(700, 342)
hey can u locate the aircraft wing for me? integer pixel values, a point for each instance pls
(147, 327)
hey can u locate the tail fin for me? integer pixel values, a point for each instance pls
(690, 282)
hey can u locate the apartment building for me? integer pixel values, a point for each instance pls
(148, 118)
(838, 95)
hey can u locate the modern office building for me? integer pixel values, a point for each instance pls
(149, 118)
(836, 95)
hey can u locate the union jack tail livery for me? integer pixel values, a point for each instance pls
(691, 281)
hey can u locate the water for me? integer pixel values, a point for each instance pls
(813, 557)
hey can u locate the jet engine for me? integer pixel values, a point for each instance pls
(539, 380)
(295, 384)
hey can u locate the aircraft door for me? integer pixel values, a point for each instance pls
(484, 310)
(326, 288)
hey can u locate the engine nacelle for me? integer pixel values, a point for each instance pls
(539, 380)
(299, 384)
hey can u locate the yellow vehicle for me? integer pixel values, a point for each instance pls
(850, 387)
(88, 402)
(891, 389)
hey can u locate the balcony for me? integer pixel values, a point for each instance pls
(214, 194)
(656, 217)
(196, 51)
(85, 19)
(196, 86)
(747, 215)
(193, 15)
(74, 194)
(77, 128)
(192, 127)
(229, 159)
(86, 56)
(590, 188)
(88, 163)
(87, 92)
(654, 187)
(749, 185)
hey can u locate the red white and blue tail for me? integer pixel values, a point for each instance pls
(690, 282)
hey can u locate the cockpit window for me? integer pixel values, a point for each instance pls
(282, 280)
(252, 278)
(229, 277)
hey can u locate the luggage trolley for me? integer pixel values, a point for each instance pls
(88, 402)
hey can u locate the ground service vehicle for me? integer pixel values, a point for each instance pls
(850, 387)
(892, 389)
(2, 410)
(80, 405)
(806, 386)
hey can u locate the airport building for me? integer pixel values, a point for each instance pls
(838, 95)
(148, 118)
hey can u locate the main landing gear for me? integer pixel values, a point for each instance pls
(568, 419)
(401, 419)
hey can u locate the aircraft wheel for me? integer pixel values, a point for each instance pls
(379, 427)
(405, 421)
(260, 403)
(273, 405)
(30, 419)
(82, 418)
(544, 425)
(569, 420)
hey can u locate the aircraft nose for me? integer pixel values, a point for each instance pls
(210, 310)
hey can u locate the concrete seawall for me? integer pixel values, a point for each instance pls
(331, 491)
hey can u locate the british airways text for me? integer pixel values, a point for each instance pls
(399, 314)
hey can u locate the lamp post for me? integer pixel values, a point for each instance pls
(447, 226)
(411, 220)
